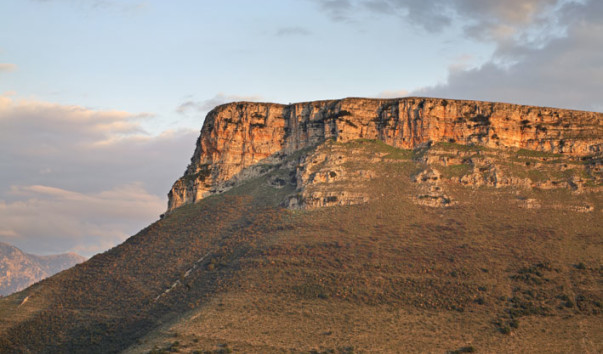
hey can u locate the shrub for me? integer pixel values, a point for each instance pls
(467, 349)
(514, 323)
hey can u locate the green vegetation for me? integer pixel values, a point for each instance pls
(448, 146)
(536, 154)
(451, 171)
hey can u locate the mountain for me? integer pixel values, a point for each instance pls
(354, 225)
(19, 270)
(240, 135)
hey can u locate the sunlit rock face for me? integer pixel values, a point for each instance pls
(237, 138)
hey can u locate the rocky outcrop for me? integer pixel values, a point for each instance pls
(431, 192)
(19, 270)
(238, 138)
(324, 178)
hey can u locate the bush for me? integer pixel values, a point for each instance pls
(467, 349)
(514, 323)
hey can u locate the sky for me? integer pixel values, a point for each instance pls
(101, 101)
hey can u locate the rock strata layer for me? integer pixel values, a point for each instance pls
(237, 138)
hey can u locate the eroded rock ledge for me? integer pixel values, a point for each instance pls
(238, 138)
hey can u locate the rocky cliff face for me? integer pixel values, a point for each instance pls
(19, 270)
(238, 139)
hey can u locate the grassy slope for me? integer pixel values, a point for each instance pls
(391, 275)
(384, 276)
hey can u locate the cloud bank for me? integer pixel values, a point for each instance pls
(566, 71)
(79, 179)
(547, 51)
(485, 19)
(50, 219)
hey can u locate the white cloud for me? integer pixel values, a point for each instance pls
(52, 220)
(485, 19)
(207, 105)
(392, 94)
(565, 72)
(547, 51)
(51, 119)
(337, 10)
(8, 233)
(77, 179)
(73, 147)
(7, 67)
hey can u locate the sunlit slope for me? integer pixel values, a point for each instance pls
(239, 272)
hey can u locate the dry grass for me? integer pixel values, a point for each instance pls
(269, 324)
(386, 276)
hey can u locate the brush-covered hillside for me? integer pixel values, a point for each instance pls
(351, 242)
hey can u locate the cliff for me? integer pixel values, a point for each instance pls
(236, 137)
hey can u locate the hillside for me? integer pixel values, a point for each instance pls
(348, 244)
(19, 270)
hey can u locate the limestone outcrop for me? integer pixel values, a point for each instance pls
(238, 139)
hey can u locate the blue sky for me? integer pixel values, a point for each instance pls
(152, 56)
(101, 100)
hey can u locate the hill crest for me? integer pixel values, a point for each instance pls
(239, 135)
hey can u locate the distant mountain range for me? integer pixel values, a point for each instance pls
(19, 270)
